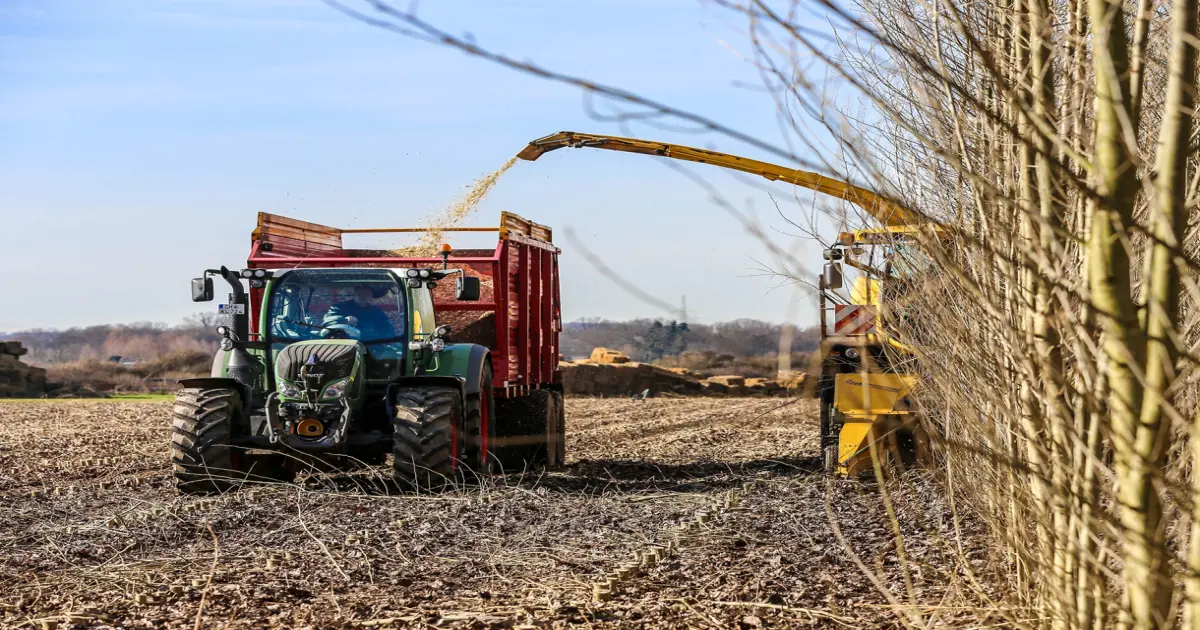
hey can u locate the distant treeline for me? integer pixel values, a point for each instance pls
(131, 342)
(654, 340)
(641, 339)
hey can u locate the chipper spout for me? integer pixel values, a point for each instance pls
(883, 209)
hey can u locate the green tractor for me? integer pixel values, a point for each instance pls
(348, 367)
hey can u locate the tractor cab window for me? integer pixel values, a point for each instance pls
(363, 304)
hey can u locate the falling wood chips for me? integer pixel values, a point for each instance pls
(453, 215)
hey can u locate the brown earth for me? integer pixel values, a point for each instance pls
(608, 375)
(92, 533)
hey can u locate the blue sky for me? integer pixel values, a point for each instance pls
(139, 137)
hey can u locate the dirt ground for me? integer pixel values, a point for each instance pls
(92, 533)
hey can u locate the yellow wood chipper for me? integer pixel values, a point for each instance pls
(864, 375)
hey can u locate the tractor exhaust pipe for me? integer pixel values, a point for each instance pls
(241, 321)
(202, 291)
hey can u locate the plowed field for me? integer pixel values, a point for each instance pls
(749, 533)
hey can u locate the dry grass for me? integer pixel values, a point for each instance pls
(107, 541)
(106, 377)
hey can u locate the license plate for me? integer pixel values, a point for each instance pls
(232, 309)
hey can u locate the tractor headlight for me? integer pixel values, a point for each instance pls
(412, 273)
(437, 344)
(289, 390)
(424, 273)
(226, 344)
(852, 353)
(336, 389)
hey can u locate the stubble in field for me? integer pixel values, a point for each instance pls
(92, 530)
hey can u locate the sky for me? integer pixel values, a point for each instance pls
(138, 138)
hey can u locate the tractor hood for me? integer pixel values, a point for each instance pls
(333, 358)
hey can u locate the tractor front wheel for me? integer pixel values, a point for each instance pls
(201, 431)
(424, 437)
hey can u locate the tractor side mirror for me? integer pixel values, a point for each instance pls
(466, 289)
(833, 275)
(202, 289)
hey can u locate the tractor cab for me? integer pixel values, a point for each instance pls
(368, 306)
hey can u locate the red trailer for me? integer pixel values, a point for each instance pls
(518, 315)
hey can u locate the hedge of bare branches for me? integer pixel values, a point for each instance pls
(1054, 146)
(1053, 143)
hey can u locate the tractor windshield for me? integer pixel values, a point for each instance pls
(363, 304)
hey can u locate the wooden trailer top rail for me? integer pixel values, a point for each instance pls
(293, 237)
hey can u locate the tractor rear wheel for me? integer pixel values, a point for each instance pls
(480, 425)
(424, 437)
(201, 434)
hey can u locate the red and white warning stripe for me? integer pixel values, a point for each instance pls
(853, 319)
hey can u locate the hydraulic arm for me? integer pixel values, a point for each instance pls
(886, 211)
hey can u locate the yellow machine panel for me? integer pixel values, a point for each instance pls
(865, 291)
(859, 395)
(871, 404)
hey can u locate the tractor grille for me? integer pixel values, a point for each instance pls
(333, 360)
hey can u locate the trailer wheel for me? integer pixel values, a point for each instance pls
(556, 436)
(201, 434)
(424, 437)
(480, 425)
(529, 430)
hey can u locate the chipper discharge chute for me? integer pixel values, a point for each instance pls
(338, 357)
(866, 375)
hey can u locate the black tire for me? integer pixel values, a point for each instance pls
(521, 429)
(829, 437)
(556, 438)
(829, 456)
(423, 437)
(480, 423)
(201, 435)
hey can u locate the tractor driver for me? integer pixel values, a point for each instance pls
(372, 323)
